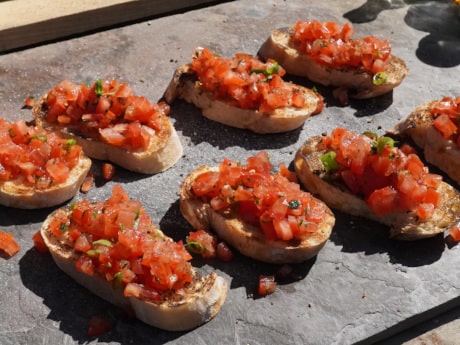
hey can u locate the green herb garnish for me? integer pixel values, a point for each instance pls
(329, 162)
(103, 242)
(195, 247)
(384, 141)
(293, 204)
(379, 78)
(98, 90)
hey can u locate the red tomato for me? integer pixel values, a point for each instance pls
(267, 285)
(223, 252)
(39, 244)
(258, 196)
(246, 81)
(116, 240)
(454, 232)
(203, 243)
(98, 326)
(108, 171)
(99, 110)
(389, 178)
(332, 45)
(8, 244)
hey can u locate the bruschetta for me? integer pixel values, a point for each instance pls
(434, 127)
(111, 123)
(113, 249)
(38, 169)
(243, 92)
(326, 53)
(366, 175)
(262, 215)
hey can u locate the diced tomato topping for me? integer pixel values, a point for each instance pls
(332, 45)
(267, 285)
(116, 240)
(34, 156)
(446, 117)
(203, 243)
(388, 178)
(8, 243)
(107, 110)
(246, 81)
(274, 202)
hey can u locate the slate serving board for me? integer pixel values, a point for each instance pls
(361, 288)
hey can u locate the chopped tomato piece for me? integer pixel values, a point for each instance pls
(446, 113)
(454, 232)
(108, 171)
(39, 244)
(116, 240)
(34, 156)
(8, 244)
(388, 178)
(332, 45)
(260, 197)
(98, 326)
(223, 252)
(267, 285)
(246, 81)
(107, 110)
(203, 243)
(87, 184)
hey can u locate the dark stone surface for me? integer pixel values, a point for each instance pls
(362, 287)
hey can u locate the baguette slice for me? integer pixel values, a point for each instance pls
(438, 151)
(359, 82)
(164, 150)
(403, 225)
(201, 302)
(184, 85)
(19, 195)
(246, 238)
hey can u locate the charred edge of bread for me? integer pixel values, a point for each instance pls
(200, 303)
(246, 238)
(25, 196)
(280, 47)
(403, 225)
(184, 85)
(164, 149)
(438, 151)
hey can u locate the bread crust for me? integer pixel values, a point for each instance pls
(19, 195)
(246, 238)
(280, 47)
(438, 151)
(403, 225)
(201, 303)
(184, 85)
(164, 149)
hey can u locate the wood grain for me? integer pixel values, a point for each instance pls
(25, 23)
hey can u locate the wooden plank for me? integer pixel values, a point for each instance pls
(28, 22)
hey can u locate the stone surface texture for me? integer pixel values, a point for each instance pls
(361, 288)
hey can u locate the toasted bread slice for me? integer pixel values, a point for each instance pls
(19, 195)
(184, 85)
(247, 238)
(39, 169)
(200, 302)
(163, 151)
(358, 81)
(403, 225)
(438, 151)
